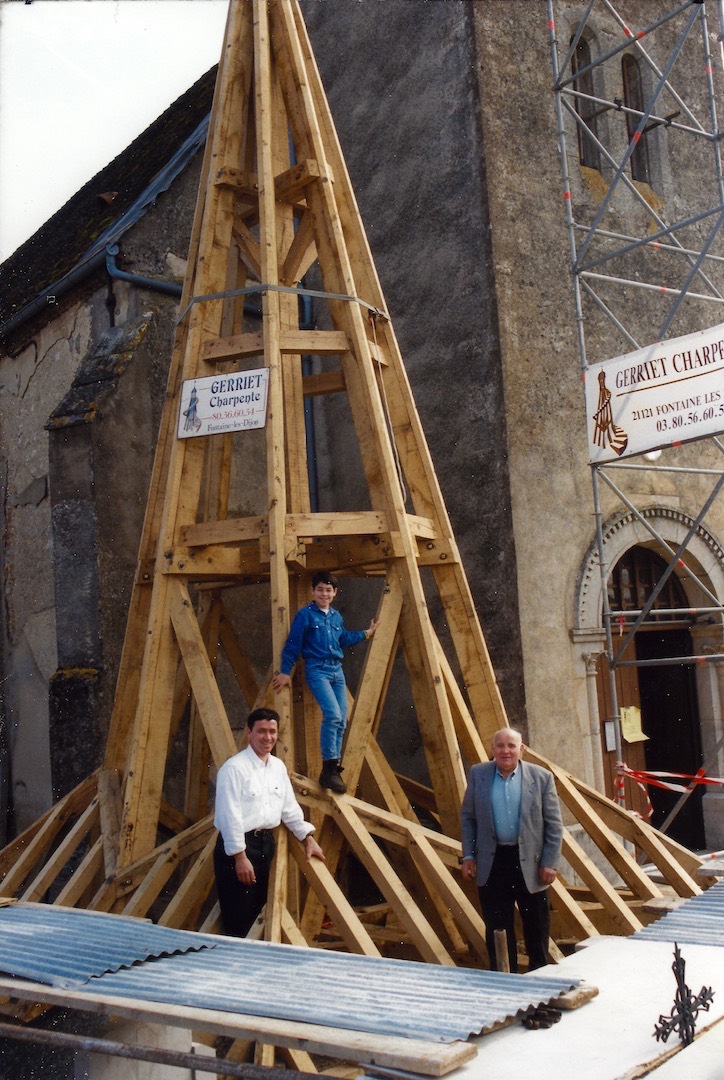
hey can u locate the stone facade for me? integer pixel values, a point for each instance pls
(447, 120)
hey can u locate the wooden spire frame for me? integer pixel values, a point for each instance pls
(119, 842)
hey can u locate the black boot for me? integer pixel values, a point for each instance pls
(330, 778)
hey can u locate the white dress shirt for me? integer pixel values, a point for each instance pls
(253, 794)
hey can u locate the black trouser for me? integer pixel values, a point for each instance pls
(240, 904)
(498, 896)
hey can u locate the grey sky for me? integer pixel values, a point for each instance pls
(79, 79)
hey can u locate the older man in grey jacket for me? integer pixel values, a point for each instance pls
(511, 837)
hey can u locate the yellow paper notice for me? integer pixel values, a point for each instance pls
(631, 725)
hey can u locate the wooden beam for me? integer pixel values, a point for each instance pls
(345, 919)
(571, 912)
(290, 185)
(444, 886)
(183, 909)
(415, 1055)
(109, 796)
(301, 255)
(673, 860)
(238, 660)
(359, 522)
(249, 253)
(67, 847)
(626, 922)
(91, 867)
(201, 676)
(323, 382)
(403, 904)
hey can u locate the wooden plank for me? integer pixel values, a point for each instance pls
(276, 899)
(212, 922)
(367, 522)
(89, 819)
(198, 754)
(201, 676)
(238, 660)
(626, 922)
(245, 183)
(149, 889)
(471, 742)
(290, 184)
(298, 1059)
(571, 912)
(323, 382)
(147, 743)
(275, 430)
(109, 796)
(392, 795)
(375, 676)
(183, 909)
(185, 845)
(416, 1055)
(292, 340)
(410, 440)
(622, 862)
(20, 855)
(72, 894)
(346, 921)
(673, 860)
(248, 248)
(379, 822)
(228, 531)
(301, 255)
(443, 885)
(36, 850)
(291, 934)
(403, 904)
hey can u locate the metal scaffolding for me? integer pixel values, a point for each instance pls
(647, 288)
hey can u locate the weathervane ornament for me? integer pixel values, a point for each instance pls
(686, 1006)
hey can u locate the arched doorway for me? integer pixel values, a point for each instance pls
(663, 692)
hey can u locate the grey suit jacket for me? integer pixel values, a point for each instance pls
(541, 826)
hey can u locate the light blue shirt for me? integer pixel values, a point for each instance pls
(505, 801)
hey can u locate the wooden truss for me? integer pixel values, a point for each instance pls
(275, 200)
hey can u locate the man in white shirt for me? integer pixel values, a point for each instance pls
(253, 796)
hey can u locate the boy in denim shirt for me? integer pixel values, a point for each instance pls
(319, 635)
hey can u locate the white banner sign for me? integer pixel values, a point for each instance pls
(659, 396)
(218, 404)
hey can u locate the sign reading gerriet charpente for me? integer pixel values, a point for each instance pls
(217, 404)
(662, 395)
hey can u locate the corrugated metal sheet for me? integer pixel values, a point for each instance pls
(63, 947)
(395, 997)
(699, 921)
(129, 958)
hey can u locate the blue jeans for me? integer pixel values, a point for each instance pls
(325, 679)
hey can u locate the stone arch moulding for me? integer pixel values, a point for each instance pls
(704, 556)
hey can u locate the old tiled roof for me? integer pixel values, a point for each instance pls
(56, 248)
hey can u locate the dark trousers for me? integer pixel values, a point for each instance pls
(240, 904)
(504, 889)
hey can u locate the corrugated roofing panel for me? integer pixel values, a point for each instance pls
(699, 921)
(131, 958)
(64, 947)
(395, 997)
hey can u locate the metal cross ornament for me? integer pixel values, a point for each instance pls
(686, 1006)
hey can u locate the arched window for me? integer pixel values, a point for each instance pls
(633, 98)
(633, 580)
(588, 153)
